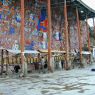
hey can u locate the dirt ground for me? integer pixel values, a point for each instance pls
(73, 82)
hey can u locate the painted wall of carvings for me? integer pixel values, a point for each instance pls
(35, 27)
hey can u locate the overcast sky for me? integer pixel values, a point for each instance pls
(91, 4)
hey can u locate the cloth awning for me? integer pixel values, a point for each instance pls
(53, 51)
(25, 51)
(86, 52)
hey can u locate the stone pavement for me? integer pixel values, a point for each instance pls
(72, 82)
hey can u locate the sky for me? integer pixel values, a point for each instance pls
(91, 4)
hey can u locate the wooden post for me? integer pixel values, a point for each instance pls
(7, 61)
(94, 27)
(88, 37)
(24, 65)
(69, 37)
(2, 61)
(79, 35)
(49, 34)
(66, 35)
(12, 60)
(16, 59)
(88, 34)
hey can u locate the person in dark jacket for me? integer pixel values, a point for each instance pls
(62, 63)
(16, 68)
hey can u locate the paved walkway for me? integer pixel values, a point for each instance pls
(72, 82)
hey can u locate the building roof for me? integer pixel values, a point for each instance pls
(84, 10)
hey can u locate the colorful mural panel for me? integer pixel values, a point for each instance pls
(35, 26)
